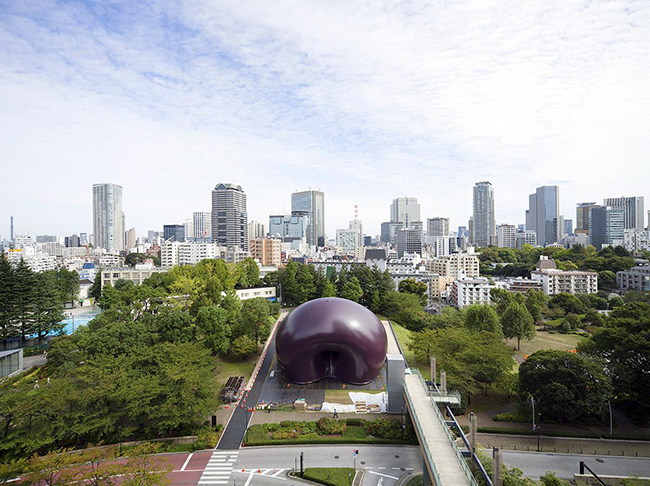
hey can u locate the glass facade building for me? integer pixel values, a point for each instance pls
(311, 203)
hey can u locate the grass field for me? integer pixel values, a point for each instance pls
(227, 367)
(545, 340)
(331, 476)
(404, 338)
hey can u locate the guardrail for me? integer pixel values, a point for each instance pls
(450, 437)
(427, 452)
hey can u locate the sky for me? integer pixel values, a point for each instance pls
(366, 101)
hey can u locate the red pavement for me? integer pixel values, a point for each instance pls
(192, 472)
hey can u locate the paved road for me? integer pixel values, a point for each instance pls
(234, 434)
(267, 466)
(535, 464)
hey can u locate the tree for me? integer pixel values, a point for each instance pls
(25, 298)
(144, 469)
(352, 290)
(67, 283)
(132, 259)
(8, 308)
(329, 290)
(411, 286)
(48, 309)
(569, 303)
(535, 302)
(11, 470)
(306, 289)
(212, 324)
(243, 346)
(624, 345)
(606, 279)
(500, 299)
(175, 326)
(517, 322)
(95, 290)
(567, 387)
(570, 323)
(255, 316)
(50, 469)
(482, 317)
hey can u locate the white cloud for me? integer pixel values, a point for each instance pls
(364, 101)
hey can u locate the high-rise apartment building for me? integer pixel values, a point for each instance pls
(632, 207)
(108, 217)
(543, 214)
(405, 210)
(202, 226)
(437, 227)
(526, 237)
(484, 220)
(313, 204)
(229, 216)
(267, 251)
(582, 216)
(189, 229)
(568, 227)
(507, 236)
(606, 224)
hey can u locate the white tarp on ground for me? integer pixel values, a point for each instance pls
(369, 398)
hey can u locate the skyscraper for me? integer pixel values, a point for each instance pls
(484, 221)
(437, 227)
(174, 232)
(405, 210)
(543, 215)
(202, 226)
(312, 203)
(582, 216)
(632, 210)
(229, 216)
(606, 225)
(108, 217)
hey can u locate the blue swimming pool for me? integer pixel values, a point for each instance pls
(72, 324)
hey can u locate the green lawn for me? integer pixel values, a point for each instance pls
(545, 340)
(330, 476)
(403, 336)
(227, 367)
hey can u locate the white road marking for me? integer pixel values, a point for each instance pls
(380, 482)
(265, 471)
(187, 461)
(248, 481)
(381, 468)
(409, 468)
(276, 474)
(385, 475)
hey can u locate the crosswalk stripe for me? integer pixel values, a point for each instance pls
(219, 468)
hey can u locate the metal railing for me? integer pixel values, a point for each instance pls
(443, 423)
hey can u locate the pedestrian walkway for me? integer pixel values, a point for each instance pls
(219, 468)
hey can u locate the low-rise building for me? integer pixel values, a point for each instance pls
(637, 278)
(264, 292)
(520, 285)
(556, 281)
(11, 362)
(137, 275)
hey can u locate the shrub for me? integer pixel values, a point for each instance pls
(517, 416)
(270, 427)
(385, 429)
(327, 426)
(355, 421)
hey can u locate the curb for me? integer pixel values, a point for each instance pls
(405, 479)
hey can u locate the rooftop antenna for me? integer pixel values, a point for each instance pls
(356, 211)
(12, 228)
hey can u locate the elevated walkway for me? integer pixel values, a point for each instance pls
(444, 461)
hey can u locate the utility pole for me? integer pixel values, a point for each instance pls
(611, 421)
(434, 373)
(302, 469)
(496, 467)
(443, 381)
(472, 433)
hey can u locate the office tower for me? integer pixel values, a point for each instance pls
(70, 241)
(202, 225)
(229, 216)
(543, 214)
(558, 228)
(256, 230)
(367, 240)
(108, 217)
(289, 227)
(405, 210)
(408, 241)
(484, 222)
(568, 227)
(582, 216)
(632, 209)
(130, 239)
(357, 226)
(83, 239)
(606, 225)
(470, 230)
(385, 232)
(11, 230)
(174, 232)
(507, 236)
(437, 227)
(462, 232)
(311, 203)
(152, 236)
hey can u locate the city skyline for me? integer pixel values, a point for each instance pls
(171, 100)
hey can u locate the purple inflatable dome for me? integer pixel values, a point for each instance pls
(331, 338)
